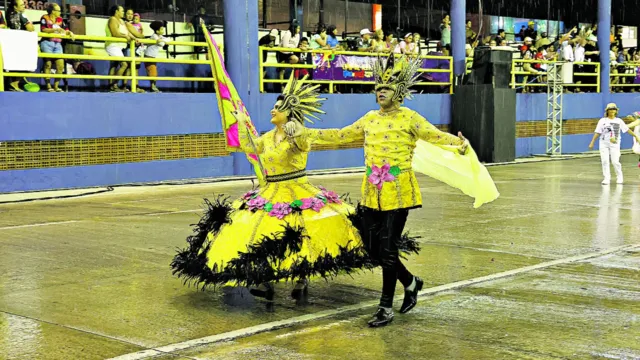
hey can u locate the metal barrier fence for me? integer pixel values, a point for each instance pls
(331, 83)
(519, 63)
(132, 60)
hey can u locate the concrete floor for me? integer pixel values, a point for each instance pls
(89, 278)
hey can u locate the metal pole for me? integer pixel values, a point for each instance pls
(321, 17)
(346, 15)
(399, 21)
(265, 3)
(604, 43)
(174, 28)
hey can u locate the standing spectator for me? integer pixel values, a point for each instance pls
(116, 28)
(332, 37)
(502, 35)
(196, 24)
(530, 31)
(520, 34)
(290, 39)
(52, 23)
(268, 40)
(136, 33)
(445, 30)
(364, 43)
(3, 24)
(544, 40)
(470, 35)
(17, 21)
(152, 51)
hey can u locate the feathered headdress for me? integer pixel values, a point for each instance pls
(301, 100)
(398, 76)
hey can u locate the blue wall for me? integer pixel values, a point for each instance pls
(26, 116)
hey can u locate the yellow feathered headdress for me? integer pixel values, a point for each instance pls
(301, 100)
(398, 75)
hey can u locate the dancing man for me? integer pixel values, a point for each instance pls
(390, 188)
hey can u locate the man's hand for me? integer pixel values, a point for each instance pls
(591, 145)
(293, 129)
(464, 148)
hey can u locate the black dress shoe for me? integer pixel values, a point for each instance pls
(267, 293)
(381, 318)
(300, 292)
(411, 297)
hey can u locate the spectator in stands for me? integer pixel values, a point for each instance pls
(52, 23)
(493, 43)
(305, 58)
(332, 37)
(416, 41)
(268, 40)
(196, 24)
(137, 33)
(152, 51)
(469, 33)
(544, 40)
(528, 54)
(17, 21)
(3, 24)
(520, 34)
(406, 46)
(378, 44)
(364, 43)
(116, 28)
(390, 41)
(617, 37)
(530, 31)
(445, 30)
(290, 39)
(502, 35)
(319, 40)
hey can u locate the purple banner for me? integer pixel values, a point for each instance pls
(358, 68)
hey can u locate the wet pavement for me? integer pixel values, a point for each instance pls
(89, 278)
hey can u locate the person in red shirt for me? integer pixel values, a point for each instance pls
(3, 24)
(52, 23)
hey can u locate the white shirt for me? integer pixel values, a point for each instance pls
(579, 53)
(610, 130)
(289, 41)
(153, 50)
(567, 51)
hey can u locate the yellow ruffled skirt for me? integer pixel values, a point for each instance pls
(283, 231)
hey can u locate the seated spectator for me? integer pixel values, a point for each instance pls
(390, 42)
(406, 46)
(417, 49)
(364, 43)
(544, 40)
(502, 35)
(152, 51)
(52, 23)
(116, 28)
(378, 44)
(17, 21)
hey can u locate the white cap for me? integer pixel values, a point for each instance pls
(409, 34)
(273, 32)
(365, 32)
(528, 39)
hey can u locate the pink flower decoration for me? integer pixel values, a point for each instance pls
(280, 210)
(380, 175)
(306, 203)
(316, 204)
(256, 203)
(331, 196)
(250, 195)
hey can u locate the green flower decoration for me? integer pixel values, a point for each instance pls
(268, 206)
(394, 170)
(296, 204)
(321, 197)
(369, 170)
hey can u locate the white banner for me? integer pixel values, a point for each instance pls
(19, 50)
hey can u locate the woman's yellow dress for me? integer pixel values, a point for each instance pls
(287, 229)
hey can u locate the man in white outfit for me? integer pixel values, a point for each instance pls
(609, 130)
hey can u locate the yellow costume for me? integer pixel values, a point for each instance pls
(286, 229)
(390, 140)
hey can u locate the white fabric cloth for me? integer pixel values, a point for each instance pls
(19, 50)
(567, 51)
(636, 144)
(152, 51)
(610, 130)
(610, 151)
(579, 53)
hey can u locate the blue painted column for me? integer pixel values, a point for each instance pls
(241, 59)
(458, 37)
(604, 45)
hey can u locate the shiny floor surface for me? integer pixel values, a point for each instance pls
(553, 268)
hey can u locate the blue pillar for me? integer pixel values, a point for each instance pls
(458, 37)
(604, 45)
(241, 59)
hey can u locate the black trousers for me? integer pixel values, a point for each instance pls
(381, 233)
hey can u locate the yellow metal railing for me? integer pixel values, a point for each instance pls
(516, 63)
(132, 60)
(621, 76)
(331, 83)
